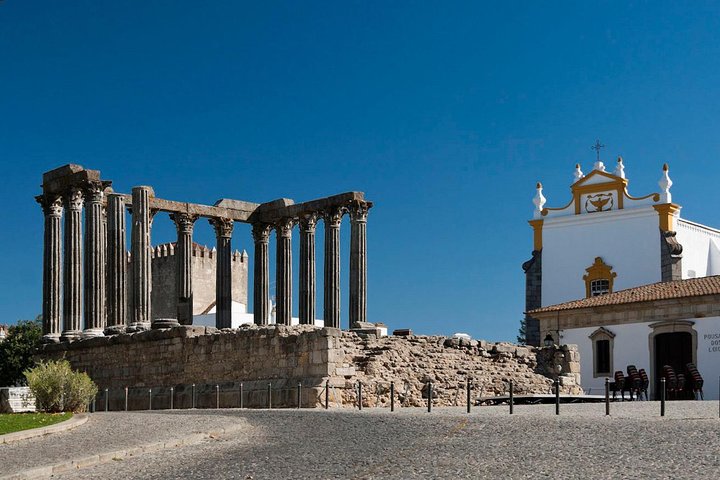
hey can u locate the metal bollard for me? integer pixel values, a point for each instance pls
(126, 399)
(607, 396)
(359, 395)
(172, 398)
(107, 399)
(299, 395)
(93, 404)
(512, 399)
(392, 396)
(429, 396)
(193, 395)
(469, 388)
(662, 397)
(217, 396)
(269, 395)
(149, 398)
(557, 396)
(327, 394)
(241, 395)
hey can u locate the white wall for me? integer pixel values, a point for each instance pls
(701, 254)
(627, 240)
(632, 347)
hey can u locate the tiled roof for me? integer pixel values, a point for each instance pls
(691, 287)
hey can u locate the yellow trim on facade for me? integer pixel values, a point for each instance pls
(599, 270)
(614, 183)
(667, 213)
(537, 233)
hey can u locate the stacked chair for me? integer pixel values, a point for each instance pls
(645, 383)
(695, 381)
(633, 381)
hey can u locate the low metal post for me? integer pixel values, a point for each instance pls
(512, 399)
(107, 399)
(217, 396)
(172, 398)
(359, 395)
(607, 396)
(468, 387)
(126, 399)
(557, 396)
(269, 395)
(241, 395)
(299, 395)
(429, 390)
(93, 404)
(662, 397)
(149, 398)
(392, 396)
(327, 394)
(193, 395)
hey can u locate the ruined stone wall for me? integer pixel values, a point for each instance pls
(287, 356)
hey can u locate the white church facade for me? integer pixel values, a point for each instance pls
(626, 279)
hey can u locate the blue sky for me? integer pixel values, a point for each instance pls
(445, 114)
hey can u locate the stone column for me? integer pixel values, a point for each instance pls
(183, 277)
(307, 269)
(283, 271)
(223, 282)
(94, 262)
(261, 275)
(72, 282)
(358, 263)
(141, 255)
(332, 219)
(52, 268)
(116, 265)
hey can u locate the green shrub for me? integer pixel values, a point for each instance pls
(57, 388)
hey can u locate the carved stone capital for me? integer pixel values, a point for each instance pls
(184, 222)
(333, 216)
(52, 207)
(261, 232)
(94, 193)
(284, 227)
(74, 199)
(308, 222)
(223, 226)
(359, 212)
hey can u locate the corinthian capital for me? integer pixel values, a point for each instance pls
(359, 212)
(51, 206)
(284, 227)
(223, 227)
(94, 193)
(333, 216)
(261, 232)
(74, 199)
(308, 222)
(184, 222)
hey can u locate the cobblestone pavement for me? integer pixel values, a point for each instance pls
(534, 443)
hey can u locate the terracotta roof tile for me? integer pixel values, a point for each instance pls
(691, 287)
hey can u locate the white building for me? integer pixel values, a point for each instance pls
(613, 273)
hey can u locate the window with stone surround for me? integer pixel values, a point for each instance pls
(599, 278)
(602, 343)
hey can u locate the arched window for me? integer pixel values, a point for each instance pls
(602, 343)
(599, 278)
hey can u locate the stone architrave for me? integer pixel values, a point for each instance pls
(184, 222)
(358, 263)
(283, 271)
(52, 268)
(72, 268)
(261, 274)
(116, 265)
(332, 219)
(141, 258)
(307, 289)
(223, 284)
(94, 272)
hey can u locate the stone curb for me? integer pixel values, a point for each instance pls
(73, 422)
(89, 461)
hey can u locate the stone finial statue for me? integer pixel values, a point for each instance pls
(665, 183)
(577, 174)
(599, 166)
(620, 169)
(539, 201)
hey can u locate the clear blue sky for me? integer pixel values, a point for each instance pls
(445, 114)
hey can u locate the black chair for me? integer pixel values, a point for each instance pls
(695, 381)
(645, 382)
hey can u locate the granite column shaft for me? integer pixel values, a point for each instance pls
(307, 269)
(185, 223)
(358, 263)
(116, 264)
(94, 262)
(261, 274)
(223, 282)
(52, 268)
(141, 251)
(72, 258)
(283, 272)
(332, 219)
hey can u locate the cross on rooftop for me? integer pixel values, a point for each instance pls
(597, 148)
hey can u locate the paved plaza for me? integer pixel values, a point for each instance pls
(409, 443)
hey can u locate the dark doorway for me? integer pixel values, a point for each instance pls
(674, 349)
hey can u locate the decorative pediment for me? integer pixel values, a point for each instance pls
(601, 333)
(597, 177)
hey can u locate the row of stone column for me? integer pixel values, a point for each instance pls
(332, 219)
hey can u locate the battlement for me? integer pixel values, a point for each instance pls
(166, 250)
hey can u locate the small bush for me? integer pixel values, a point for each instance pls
(57, 388)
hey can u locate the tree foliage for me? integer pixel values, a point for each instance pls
(522, 332)
(17, 350)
